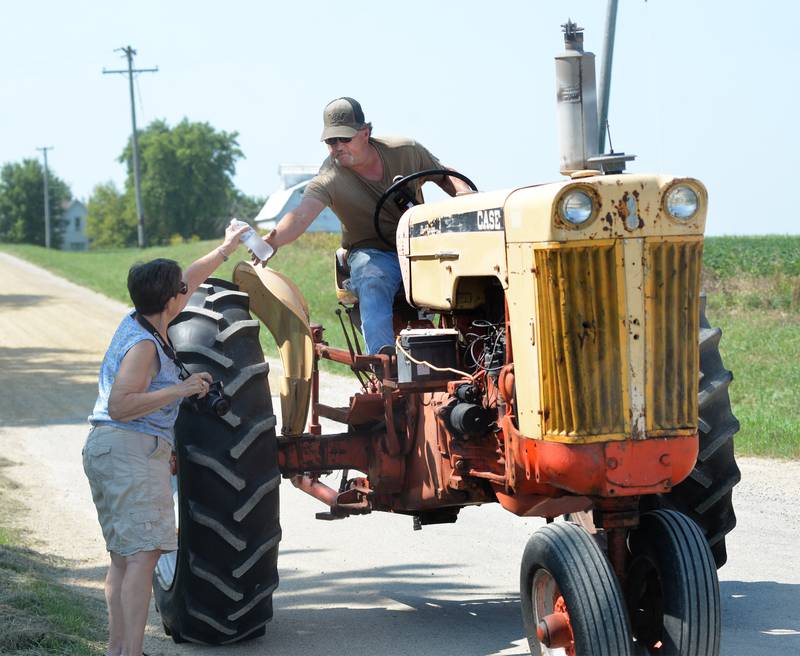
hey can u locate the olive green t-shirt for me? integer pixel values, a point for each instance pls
(353, 198)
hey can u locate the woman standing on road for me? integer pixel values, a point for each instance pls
(127, 454)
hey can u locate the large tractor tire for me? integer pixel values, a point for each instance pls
(570, 598)
(706, 494)
(672, 588)
(217, 588)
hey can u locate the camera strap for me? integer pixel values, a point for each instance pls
(167, 348)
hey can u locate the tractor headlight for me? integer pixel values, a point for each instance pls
(681, 202)
(576, 207)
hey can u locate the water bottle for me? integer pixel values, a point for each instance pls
(261, 249)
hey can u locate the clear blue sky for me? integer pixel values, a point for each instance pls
(705, 89)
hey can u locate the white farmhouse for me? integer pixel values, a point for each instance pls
(294, 179)
(74, 217)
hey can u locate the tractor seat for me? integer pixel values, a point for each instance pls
(405, 316)
(342, 278)
(344, 293)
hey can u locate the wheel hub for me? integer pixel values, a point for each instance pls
(554, 630)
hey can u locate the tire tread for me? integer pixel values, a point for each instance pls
(589, 586)
(229, 529)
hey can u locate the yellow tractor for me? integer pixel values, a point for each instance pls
(551, 343)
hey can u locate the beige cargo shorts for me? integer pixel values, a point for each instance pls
(129, 474)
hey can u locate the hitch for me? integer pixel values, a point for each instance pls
(353, 497)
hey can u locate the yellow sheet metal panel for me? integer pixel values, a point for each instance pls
(531, 213)
(524, 337)
(672, 296)
(632, 273)
(580, 341)
(444, 241)
(438, 261)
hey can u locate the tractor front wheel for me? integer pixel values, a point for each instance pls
(571, 600)
(672, 587)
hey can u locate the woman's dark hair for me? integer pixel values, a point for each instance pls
(151, 284)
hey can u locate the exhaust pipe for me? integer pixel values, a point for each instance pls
(576, 97)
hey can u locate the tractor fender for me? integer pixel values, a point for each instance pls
(281, 307)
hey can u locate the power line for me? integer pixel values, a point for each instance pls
(44, 150)
(129, 52)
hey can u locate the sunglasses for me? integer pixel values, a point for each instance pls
(182, 289)
(332, 141)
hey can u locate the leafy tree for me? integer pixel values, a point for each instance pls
(111, 219)
(22, 203)
(186, 179)
(245, 207)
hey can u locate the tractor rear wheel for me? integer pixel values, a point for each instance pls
(217, 588)
(571, 599)
(706, 494)
(672, 588)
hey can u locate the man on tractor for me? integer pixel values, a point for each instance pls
(358, 170)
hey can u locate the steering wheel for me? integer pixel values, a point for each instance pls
(405, 199)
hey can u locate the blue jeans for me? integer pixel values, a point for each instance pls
(375, 278)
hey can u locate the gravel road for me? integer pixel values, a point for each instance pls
(369, 585)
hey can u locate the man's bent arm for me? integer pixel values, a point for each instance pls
(452, 186)
(296, 222)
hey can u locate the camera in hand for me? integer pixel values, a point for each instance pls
(214, 402)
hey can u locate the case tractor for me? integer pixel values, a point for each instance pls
(552, 356)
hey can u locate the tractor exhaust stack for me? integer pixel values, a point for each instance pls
(578, 124)
(576, 94)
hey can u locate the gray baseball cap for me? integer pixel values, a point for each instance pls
(342, 117)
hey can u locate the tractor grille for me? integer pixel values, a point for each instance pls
(581, 346)
(672, 292)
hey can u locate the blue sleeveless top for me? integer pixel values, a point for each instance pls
(159, 422)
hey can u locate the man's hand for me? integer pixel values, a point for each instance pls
(195, 384)
(453, 186)
(293, 224)
(269, 239)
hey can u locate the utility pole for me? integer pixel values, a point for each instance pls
(44, 150)
(129, 53)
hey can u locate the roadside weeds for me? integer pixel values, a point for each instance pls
(39, 614)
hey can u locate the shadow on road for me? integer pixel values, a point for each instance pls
(46, 386)
(760, 617)
(399, 609)
(17, 301)
(412, 611)
(387, 611)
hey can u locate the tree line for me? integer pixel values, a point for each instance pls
(186, 182)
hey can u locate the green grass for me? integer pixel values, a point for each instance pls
(763, 351)
(5, 536)
(39, 615)
(753, 286)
